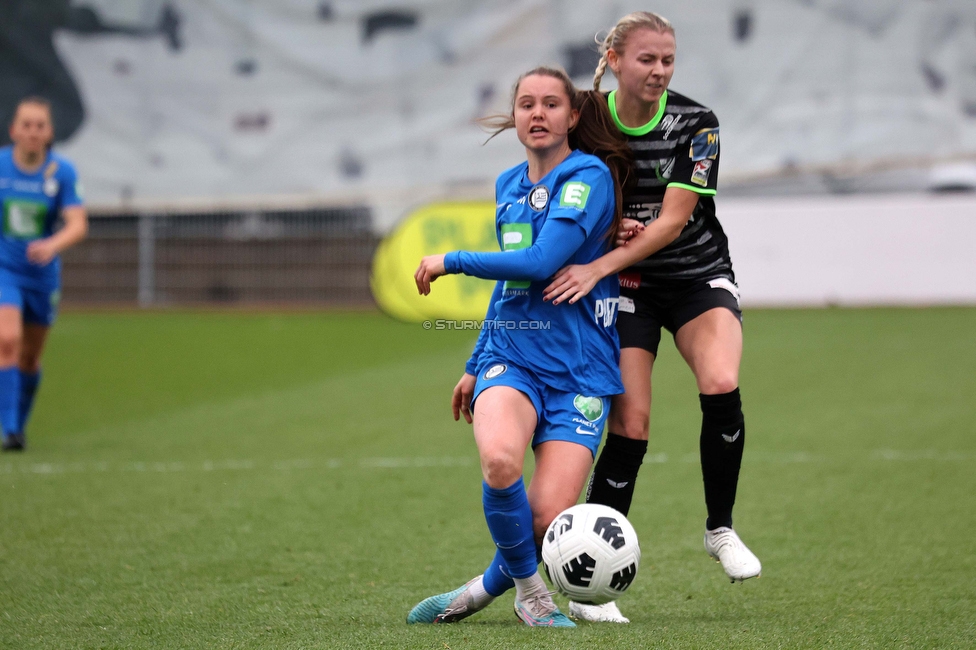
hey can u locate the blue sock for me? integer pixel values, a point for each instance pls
(28, 388)
(496, 580)
(9, 399)
(509, 520)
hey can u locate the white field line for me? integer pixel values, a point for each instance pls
(233, 465)
(921, 454)
(396, 463)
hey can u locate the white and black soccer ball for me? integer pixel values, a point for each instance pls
(590, 553)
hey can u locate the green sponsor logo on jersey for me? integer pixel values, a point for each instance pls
(516, 236)
(590, 407)
(23, 219)
(574, 195)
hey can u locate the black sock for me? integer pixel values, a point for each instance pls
(612, 483)
(723, 435)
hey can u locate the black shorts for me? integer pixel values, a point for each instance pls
(643, 311)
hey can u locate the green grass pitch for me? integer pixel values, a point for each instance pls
(227, 480)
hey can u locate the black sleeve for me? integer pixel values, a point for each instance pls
(696, 162)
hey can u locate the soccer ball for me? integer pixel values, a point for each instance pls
(590, 553)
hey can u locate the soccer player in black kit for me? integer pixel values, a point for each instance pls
(675, 272)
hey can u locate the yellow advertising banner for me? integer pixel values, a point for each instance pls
(429, 230)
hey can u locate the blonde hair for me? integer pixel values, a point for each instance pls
(617, 36)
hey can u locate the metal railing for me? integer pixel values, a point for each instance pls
(226, 256)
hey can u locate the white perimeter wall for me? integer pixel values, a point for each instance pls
(865, 250)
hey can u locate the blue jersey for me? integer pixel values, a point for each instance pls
(31, 204)
(573, 348)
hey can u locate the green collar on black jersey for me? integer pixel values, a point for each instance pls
(640, 130)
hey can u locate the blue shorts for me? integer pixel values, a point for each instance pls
(37, 307)
(570, 417)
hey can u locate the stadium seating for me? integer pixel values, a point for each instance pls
(342, 99)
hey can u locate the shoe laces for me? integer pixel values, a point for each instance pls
(727, 537)
(461, 603)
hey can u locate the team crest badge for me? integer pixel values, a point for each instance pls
(539, 198)
(590, 407)
(495, 370)
(663, 171)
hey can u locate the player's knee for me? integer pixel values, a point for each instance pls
(500, 467)
(30, 361)
(10, 344)
(633, 424)
(719, 384)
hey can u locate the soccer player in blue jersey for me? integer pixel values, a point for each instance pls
(540, 374)
(36, 186)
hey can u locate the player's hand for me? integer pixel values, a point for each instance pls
(41, 252)
(431, 268)
(571, 283)
(461, 401)
(629, 228)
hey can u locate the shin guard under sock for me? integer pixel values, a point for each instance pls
(509, 520)
(9, 400)
(723, 436)
(615, 474)
(29, 382)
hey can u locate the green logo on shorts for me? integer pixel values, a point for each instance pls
(590, 407)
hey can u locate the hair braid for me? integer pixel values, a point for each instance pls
(601, 68)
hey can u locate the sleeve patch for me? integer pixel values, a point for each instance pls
(704, 145)
(699, 176)
(574, 195)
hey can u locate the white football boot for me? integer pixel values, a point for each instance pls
(606, 613)
(739, 562)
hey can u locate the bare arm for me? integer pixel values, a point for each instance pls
(675, 212)
(75, 229)
(573, 282)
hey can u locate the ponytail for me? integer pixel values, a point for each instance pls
(597, 134)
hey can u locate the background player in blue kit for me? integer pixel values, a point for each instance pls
(36, 186)
(545, 373)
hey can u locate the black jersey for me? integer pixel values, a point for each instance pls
(679, 147)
